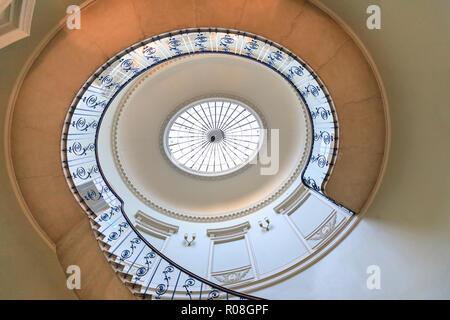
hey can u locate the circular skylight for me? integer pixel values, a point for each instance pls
(213, 137)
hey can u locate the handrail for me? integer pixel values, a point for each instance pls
(85, 175)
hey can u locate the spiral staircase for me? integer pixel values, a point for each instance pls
(82, 79)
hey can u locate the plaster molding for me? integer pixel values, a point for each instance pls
(232, 276)
(325, 229)
(361, 46)
(349, 226)
(198, 98)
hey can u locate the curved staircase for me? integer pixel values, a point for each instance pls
(359, 133)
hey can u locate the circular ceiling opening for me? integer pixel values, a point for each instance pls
(213, 137)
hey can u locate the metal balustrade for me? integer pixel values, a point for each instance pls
(145, 270)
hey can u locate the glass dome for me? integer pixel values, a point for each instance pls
(213, 137)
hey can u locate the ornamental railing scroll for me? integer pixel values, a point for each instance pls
(146, 270)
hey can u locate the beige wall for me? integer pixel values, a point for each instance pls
(406, 230)
(28, 267)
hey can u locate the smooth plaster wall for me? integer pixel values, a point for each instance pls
(406, 229)
(28, 267)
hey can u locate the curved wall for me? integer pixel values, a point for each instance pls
(406, 229)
